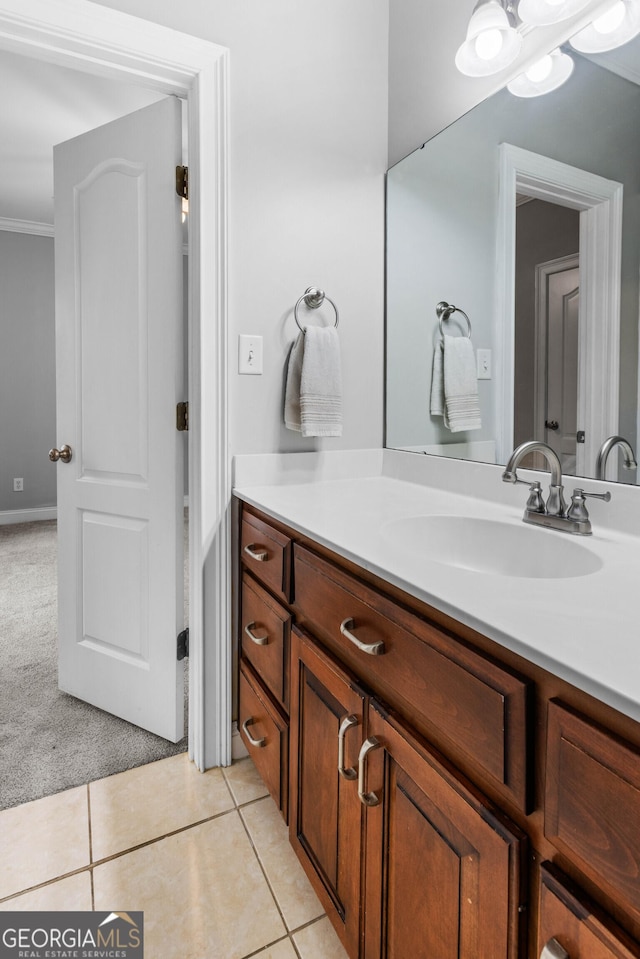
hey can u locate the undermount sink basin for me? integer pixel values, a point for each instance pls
(491, 546)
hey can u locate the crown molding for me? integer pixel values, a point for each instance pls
(26, 226)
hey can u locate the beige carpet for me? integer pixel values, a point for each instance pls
(50, 741)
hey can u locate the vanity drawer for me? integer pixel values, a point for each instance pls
(267, 553)
(570, 926)
(592, 807)
(266, 735)
(453, 694)
(265, 631)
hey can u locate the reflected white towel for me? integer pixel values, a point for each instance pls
(313, 393)
(454, 385)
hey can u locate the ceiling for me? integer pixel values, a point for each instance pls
(42, 105)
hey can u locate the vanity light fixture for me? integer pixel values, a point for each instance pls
(618, 24)
(540, 13)
(547, 74)
(492, 42)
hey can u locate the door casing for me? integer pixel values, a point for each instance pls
(96, 39)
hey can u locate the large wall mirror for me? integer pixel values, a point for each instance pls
(525, 214)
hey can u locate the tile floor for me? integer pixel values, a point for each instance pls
(205, 856)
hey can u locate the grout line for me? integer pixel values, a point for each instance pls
(93, 897)
(267, 945)
(89, 823)
(116, 855)
(263, 871)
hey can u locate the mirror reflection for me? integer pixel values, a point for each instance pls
(525, 215)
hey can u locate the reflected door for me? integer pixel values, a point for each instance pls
(557, 319)
(118, 251)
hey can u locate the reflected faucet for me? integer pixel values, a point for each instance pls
(605, 449)
(554, 513)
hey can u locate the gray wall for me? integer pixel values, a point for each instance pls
(27, 370)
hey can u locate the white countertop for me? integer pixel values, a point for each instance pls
(582, 628)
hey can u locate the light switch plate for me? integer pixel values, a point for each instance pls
(249, 354)
(483, 364)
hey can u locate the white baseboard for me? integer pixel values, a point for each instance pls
(8, 516)
(238, 748)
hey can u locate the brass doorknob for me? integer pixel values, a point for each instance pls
(64, 454)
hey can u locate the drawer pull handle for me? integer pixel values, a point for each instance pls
(373, 649)
(346, 723)
(553, 950)
(256, 552)
(367, 799)
(258, 640)
(259, 743)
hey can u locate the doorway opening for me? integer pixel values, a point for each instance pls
(100, 41)
(598, 202)
(53, 741)
(547, 287)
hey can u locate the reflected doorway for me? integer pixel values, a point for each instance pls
(547, 288)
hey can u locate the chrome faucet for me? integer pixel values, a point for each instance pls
(605, 449)
(554, 512)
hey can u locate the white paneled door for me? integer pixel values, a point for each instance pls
(119, 345)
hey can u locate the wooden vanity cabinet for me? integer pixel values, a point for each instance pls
(264, 634)
(446, 798)
(439, 866)
(325, 822)
(443, 868)
(570, 926)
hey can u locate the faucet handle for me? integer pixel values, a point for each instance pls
(535, 503)
(578, 510)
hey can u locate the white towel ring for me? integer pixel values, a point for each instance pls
(314, 298)
(444, 311)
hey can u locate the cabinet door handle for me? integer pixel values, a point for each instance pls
(346, 723)
(259, 743)
(553, 950)
(258, 640)
(256, 552)
(373, 649)
(367, 799)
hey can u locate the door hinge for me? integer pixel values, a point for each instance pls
(182, 417)
(182, 182)
(183, 643)
(580, 436)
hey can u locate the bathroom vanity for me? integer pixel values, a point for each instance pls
(459, 771)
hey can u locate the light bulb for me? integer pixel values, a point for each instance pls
(611, 20)
(488, 44)
(540, 71)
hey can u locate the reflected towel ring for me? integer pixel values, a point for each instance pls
(314, 298)
(444, 311)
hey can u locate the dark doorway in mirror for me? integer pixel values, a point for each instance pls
(547, 287)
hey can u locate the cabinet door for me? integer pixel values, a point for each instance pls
(325, 824)
(572, 927)
(442, 868)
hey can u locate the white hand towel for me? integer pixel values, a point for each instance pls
(292, 387)
(313, 391)
(437, 381)
(458, 394)
(320, 383)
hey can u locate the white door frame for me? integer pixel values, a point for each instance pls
(600, 203)
(96, 39)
